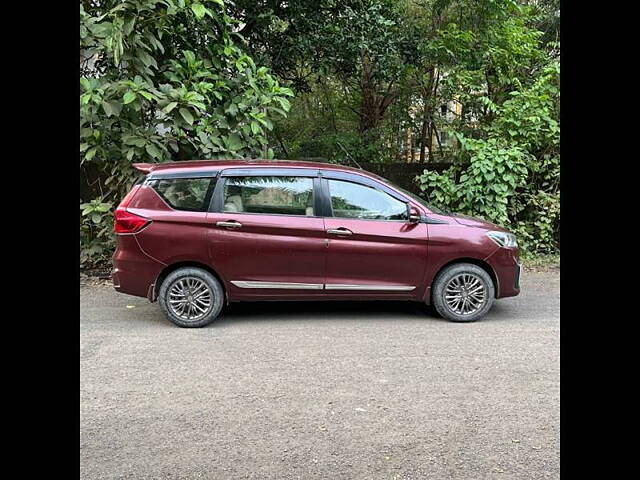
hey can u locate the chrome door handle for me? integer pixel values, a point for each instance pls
(230, 224)
(340, 231)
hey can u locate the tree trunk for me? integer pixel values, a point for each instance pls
(433, 98)
(427, 116)
(368, 108)
(373, 105)
(425, 133)
(423, 136)
(435, 131)
(327, 95)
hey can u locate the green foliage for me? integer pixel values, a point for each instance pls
(496, 58)
(512, 176)
(376, 81)
(167, 80)
(96, 237)
(495, 171)
(164, 80)
(325, 37)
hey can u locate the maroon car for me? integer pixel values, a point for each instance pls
(196, 235)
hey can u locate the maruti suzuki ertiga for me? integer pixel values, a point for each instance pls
(197, 235)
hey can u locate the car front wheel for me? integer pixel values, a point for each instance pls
(463, 292)
(191, 297)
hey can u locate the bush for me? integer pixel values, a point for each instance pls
(512, 175)
(163, 81)
(97, 240)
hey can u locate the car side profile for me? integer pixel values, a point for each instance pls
(197, 235)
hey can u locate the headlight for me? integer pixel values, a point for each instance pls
(503, 239)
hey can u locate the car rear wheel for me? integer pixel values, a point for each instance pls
(463, 292)
(191, 297)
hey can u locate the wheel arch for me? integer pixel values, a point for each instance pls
(181, 264)
(475, 261)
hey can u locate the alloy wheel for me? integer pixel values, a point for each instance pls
(190, 298)
(465, 294)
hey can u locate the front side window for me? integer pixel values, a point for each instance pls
(183, 193)
(270, 195)
(351, 200)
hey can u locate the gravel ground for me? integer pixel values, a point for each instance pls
(376, 390)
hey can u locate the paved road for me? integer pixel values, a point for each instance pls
(378, 390)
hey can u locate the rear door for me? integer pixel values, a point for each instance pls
(372, 248)
(264, 234)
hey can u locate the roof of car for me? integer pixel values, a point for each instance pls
(221, 164)
(191, 167)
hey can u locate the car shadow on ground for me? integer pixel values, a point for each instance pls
(383, 310)
(310, 311)
(293, 310)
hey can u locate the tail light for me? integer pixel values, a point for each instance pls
(127, 222)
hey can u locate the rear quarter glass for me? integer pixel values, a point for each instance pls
(184, 194)
(147, 199)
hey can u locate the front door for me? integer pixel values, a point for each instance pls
(372, 248)
(264, 236)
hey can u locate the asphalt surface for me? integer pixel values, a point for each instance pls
(376, 390)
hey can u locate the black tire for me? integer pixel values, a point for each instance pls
(442, 280)
(184, 274)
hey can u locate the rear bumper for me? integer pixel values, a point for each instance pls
(507, 267)
(134, 272)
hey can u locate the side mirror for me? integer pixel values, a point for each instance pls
(413, 214)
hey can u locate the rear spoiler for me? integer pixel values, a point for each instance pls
(145, 167)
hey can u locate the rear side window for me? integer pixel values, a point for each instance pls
(269, 195)
(190, 194)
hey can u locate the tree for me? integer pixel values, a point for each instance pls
(169, 79)
(164, 80)
(375, 81)
(363, 43)
(511, 176)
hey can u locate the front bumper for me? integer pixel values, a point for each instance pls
(516, 284)
(507, 267)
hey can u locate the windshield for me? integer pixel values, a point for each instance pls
(420, 200)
